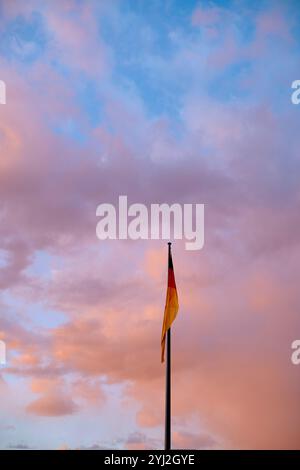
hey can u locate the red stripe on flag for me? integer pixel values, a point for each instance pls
(171, 279)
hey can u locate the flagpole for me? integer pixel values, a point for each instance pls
(168, 393)
(168, 384)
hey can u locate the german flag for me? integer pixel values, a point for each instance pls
(172, 305)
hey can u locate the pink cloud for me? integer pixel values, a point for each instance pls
(207, 16)
(273, 23)
(52, 406)
(238, 297)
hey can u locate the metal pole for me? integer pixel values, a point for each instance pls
(168, 394)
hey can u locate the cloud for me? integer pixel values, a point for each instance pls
(19, 447)
(232, 144)
(187, 440)
(207, 16)
(94, 447)
(140, 441)
(52, 405)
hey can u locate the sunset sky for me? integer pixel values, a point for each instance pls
(175, 101)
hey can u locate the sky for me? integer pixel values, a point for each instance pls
(163, 101)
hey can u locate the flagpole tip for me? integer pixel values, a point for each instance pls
(169, 243)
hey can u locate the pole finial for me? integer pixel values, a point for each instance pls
(169, 243)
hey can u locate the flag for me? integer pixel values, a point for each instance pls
(172, 305)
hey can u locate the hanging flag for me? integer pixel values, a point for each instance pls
(172, 305)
